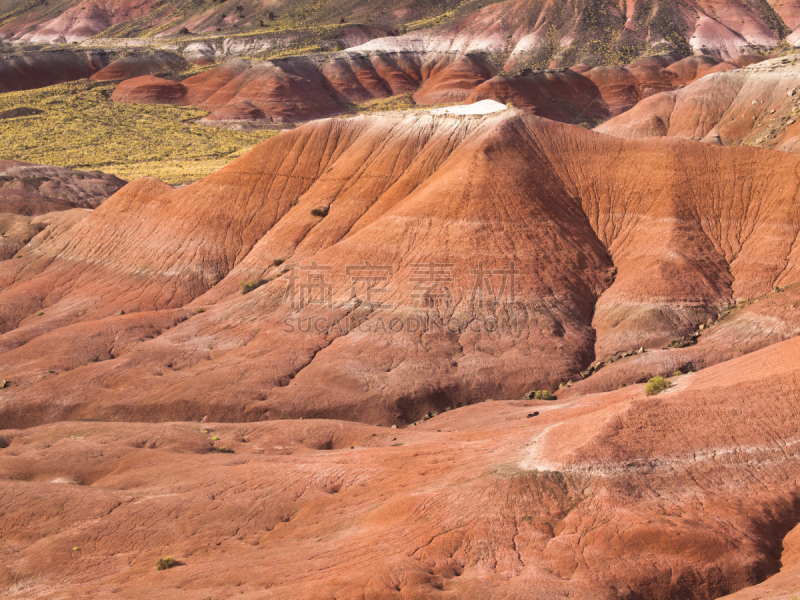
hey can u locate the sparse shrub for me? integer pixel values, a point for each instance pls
(248, 286)
(677, 373)
(39, 314)
(539, 395)
(167, 562)
(223, 449)
(320, 211)
(656, 385)
(183, 31)
(201, 310)
(215, 438)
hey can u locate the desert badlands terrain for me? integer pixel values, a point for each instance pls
(400, 299)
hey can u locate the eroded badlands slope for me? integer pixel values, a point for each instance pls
(137, 314)
(689, 495)
(524, 32)
(755, 106)
(36, 201)
(28, 189)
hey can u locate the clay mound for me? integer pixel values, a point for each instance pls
(558, 95)
(452, 80)
(150, 90)
(283, 90)
(551, 497)
(755, 105)
(340, 192)
(28, 70)
(27, 189)
(691, 68)
(203, 85)
(237, 111)
(358, 77)
(355, 80)
(618, 87)
(128, 67)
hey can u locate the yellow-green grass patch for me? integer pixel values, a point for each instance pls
(81, 128)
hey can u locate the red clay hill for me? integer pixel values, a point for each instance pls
(406, 355)
(481, 195)
(210, 373)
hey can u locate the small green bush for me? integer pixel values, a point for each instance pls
(655, 386)
(677, 373)
(248, 286)
(162, 564)
(539, 395)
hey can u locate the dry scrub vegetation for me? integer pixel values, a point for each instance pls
(80, 128)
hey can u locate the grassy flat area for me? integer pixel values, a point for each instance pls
(81, 128)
